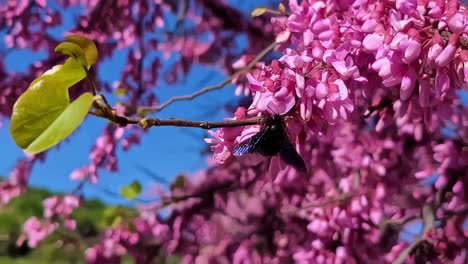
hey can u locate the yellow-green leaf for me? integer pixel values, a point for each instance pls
(131, 191)
(81, 48)
(45, 99)
(282, 8)
(120, 92)
(258, 11)
(117, 221)
(179, 182)
(64, 125)
(43, 116)
(110, 214)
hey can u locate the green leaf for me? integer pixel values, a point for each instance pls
(64, 125)
(258, 11)
(179, 182)
(43, 116)
(173, 259)
(120, 92)
(43, 102)
(108, 216)
(81, 48)
(282, 8)
(117, 221)
(131, 191)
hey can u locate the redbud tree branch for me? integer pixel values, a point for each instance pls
(147, 122)
(429, 217)
(244, 70)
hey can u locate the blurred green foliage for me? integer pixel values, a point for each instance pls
(61, 246)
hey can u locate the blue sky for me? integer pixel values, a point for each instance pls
(165, 151)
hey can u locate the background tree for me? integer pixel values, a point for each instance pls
(368, 95)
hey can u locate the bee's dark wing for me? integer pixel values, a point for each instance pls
(289, 155)
(250, 146)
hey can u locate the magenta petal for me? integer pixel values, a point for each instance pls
(424, 92)
(342, 89)
(442, 84)
(326, 35)
(283, 36)
(372, 42)
(282, 93)
(434, 51)
(408, 84)
(321, 90)
(321, 25)
(343, 113)
(330, 113)
(308, 37)
(383, 66)
(369, 26)
(255, 85)
(446, 56)
(458, 22)
(286, 105)
(412, 52)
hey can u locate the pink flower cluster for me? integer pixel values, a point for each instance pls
(57, 210)
(368, 87)
(113, 246)
(62, 208)
(17, 182)
(37, 230)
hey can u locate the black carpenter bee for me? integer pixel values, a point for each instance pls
(271, 140)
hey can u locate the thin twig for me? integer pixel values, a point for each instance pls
(340, 199)
(209, 88)
(95, 88)
(79, 187)
(221, 188)
(428, 215)
(148, 122)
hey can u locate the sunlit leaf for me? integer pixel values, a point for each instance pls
(282, 8)
(110, 214)
(131, 191)
(258, 11)
(117, 221)
(64, 125)
(43, 115)
(81, 48)
(120, 92)
(46, 98)
(179, 182)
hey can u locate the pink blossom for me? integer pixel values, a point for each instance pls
(60, 206)
(37, 230)
(448, 53)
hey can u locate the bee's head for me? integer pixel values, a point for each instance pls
(274, 120)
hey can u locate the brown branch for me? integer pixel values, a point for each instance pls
(147, 122)
(95, 88)
(428, 216)
(402, 257)
(342, 198)
(225, 187)
(244, 70)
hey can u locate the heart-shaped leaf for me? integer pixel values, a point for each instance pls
(43, 116)
(64, 125)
